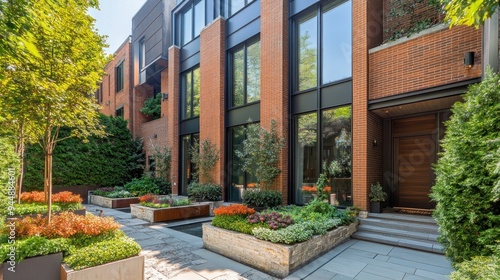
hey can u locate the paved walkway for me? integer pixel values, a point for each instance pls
(171, 254)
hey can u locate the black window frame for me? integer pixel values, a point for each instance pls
(191, 9)
(225, 8)
(230, 79)
(120, 76)
(184, 94)
(120, 112)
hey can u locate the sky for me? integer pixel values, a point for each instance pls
(114, 19)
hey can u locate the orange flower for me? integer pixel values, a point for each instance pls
(147, 198)
(251, 185)
(309, 189)
(235, 209)
(327, 189)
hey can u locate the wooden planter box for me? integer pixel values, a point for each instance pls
(278, 259)
(113, 202)
(154, 215)
(127, 269)
(40, 268)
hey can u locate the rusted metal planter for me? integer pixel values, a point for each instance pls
(154, 215)
(113, 202)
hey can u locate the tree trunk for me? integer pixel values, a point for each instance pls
(19, 182)
(47, 181)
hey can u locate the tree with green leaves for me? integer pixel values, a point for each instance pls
(204, 156)
(260, 154)
(469, 12)
(55, 87)
(468, 209)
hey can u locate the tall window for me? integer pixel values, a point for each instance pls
(323, 141)
(187, 168)
(119, 74)
(245, 74)
(190, 94)
(239, 179)
(192, 21)
(142, 60)
(329, 27)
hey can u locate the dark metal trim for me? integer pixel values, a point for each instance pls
(422, 95)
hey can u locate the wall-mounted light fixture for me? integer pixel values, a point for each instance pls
(107, 103)
(469, 59)
(164, 96)
(374, 143)
(155, 136)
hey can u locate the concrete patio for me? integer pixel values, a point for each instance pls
(171, 254)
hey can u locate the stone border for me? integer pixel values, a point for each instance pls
(112, 202)
(127, 269)
(277, 259)
(154, 215)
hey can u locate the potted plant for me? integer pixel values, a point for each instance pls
(376, 196)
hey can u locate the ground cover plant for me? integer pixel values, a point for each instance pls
(116, 192)
(155, 201)
(85, 241)
(286, 224)
(33, 203)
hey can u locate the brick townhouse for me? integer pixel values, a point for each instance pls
(341, 90)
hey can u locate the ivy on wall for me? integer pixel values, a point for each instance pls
(109, 161)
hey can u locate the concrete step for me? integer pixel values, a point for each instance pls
(408, 226)
(412, 235)
(404, 218)
(427, 246)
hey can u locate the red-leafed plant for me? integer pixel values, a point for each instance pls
(62, 197)
(147, 198)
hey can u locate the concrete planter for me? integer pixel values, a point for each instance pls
(127, 269)
(40, 268)
(154, 215)
(113, 202)
(276, 259)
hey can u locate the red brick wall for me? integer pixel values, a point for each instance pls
(173, 113)
(112, 100)
(366, 34)
(154, 134)
(212, 109)
(141, 94)
(164, 89)
(427, 61)
(274, 77)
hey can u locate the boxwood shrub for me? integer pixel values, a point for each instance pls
(467, 211)
(34, 246)
(204, 192)
(262, 198)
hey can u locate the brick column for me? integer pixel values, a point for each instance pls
(212, 79)
(274, 77)
(173, 113)
(367, 33)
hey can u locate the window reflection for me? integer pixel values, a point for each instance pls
(238, 77)
(245, 74)
(187, 168)
(308, 52)
(306, 155)
(253, 72)
(190, 94)
(336, 43)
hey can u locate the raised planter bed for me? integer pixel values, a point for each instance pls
(278, 259)
(113, 202)
(81, 212)
(213, 205)
(40, 268)
(126, 269)
(154, 215)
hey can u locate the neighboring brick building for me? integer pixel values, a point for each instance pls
(372, 111)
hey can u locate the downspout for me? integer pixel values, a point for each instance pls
(490, 44)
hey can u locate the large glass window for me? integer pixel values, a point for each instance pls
(336, 43)
(192, 21)
(239, 180)
(332, 134)
(190, 94)
(308, 52)
(119, 75)
(187, 167)
(233, 6)
(245, 74)
(142, 61)
(329, 29)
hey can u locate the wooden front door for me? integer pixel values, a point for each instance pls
(414, 153)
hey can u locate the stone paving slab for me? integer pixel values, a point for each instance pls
(170, 254)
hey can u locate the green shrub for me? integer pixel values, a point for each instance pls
(200, 192)
(181, 202)
(317, 206)
(109, 161)
(237, 223)
(103, 251)
(152, 107)
(262, 198)
(147, 184)
(116, 192)
(34, 246)
(467, 212)
(479, 268)
(155, 205)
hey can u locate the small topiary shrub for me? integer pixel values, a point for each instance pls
(262, 198)
(467, 211)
